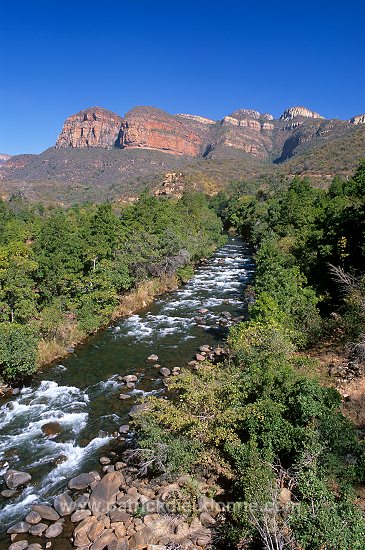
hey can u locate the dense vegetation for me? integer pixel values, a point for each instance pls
(63, 271)
(261, 422)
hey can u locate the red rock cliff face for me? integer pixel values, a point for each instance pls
(94, 127)
(150, 128)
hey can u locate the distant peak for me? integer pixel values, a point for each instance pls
(245, 113)
(358, 119)
(294, 112)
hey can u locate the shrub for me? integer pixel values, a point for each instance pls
(18, 351)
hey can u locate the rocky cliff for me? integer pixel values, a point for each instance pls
(100, 155)
(94, 127)
(243, 132)
(359, 119)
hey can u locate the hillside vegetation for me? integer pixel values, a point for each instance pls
(63, 272)
(262, 423)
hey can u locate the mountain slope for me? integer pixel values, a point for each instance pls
(100, 155)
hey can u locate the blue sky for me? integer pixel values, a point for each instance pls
(204, 58)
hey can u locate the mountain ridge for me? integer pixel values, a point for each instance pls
(100, 154)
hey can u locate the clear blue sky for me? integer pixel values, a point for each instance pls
(207, 58)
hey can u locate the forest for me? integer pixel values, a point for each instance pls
(63, 271)
(267, 424)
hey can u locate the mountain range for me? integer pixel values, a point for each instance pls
(99, 154)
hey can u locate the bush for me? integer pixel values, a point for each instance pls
(18, 351)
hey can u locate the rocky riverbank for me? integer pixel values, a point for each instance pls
(123, 507)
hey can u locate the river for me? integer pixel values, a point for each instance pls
(81, 394)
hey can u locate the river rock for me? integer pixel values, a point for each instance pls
(80, 532)
(53, 531)
(104, 460)
(38, 530)
(203, 311)
(95, 530)
(105, 493)
(20, 545)
(82, 501)
(20, 527)
(205, 348)
(46, 512)
(35, 546)
(130, 385)
(152, 358)
(199, 357)
(165, 371)
(104, 540)
(64, 505)
(129, 378)
(124, 396)
(81, 481)
(119, 544)
(79, 515)
(33, 518)
(51, 429)
(124, 429)
(8, 493)
(15, 478)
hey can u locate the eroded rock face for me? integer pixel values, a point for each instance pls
(94, 127)
(359, 119)
(150, 128)
(294, 112)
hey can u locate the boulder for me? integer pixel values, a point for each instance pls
(124, 429)
(152, 358)
(104, 460)
(15, 478)
(119, 545)
(35, 546)
(95, 530)
(79, 515)
(8, 493)
(129, 378)
(20, 545)
(124, 396)
(199, 357)
(119, 529)
(38, 530)
(20, 527)
(33, 518)
(51, 429)
(165, 372)
(46, 512)
(105, 493)
(64, 504)
(81, 481)
(104, 540)
(82, 501)
(203, 311)
(53, 531)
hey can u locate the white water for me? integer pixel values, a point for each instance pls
(82, 394)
